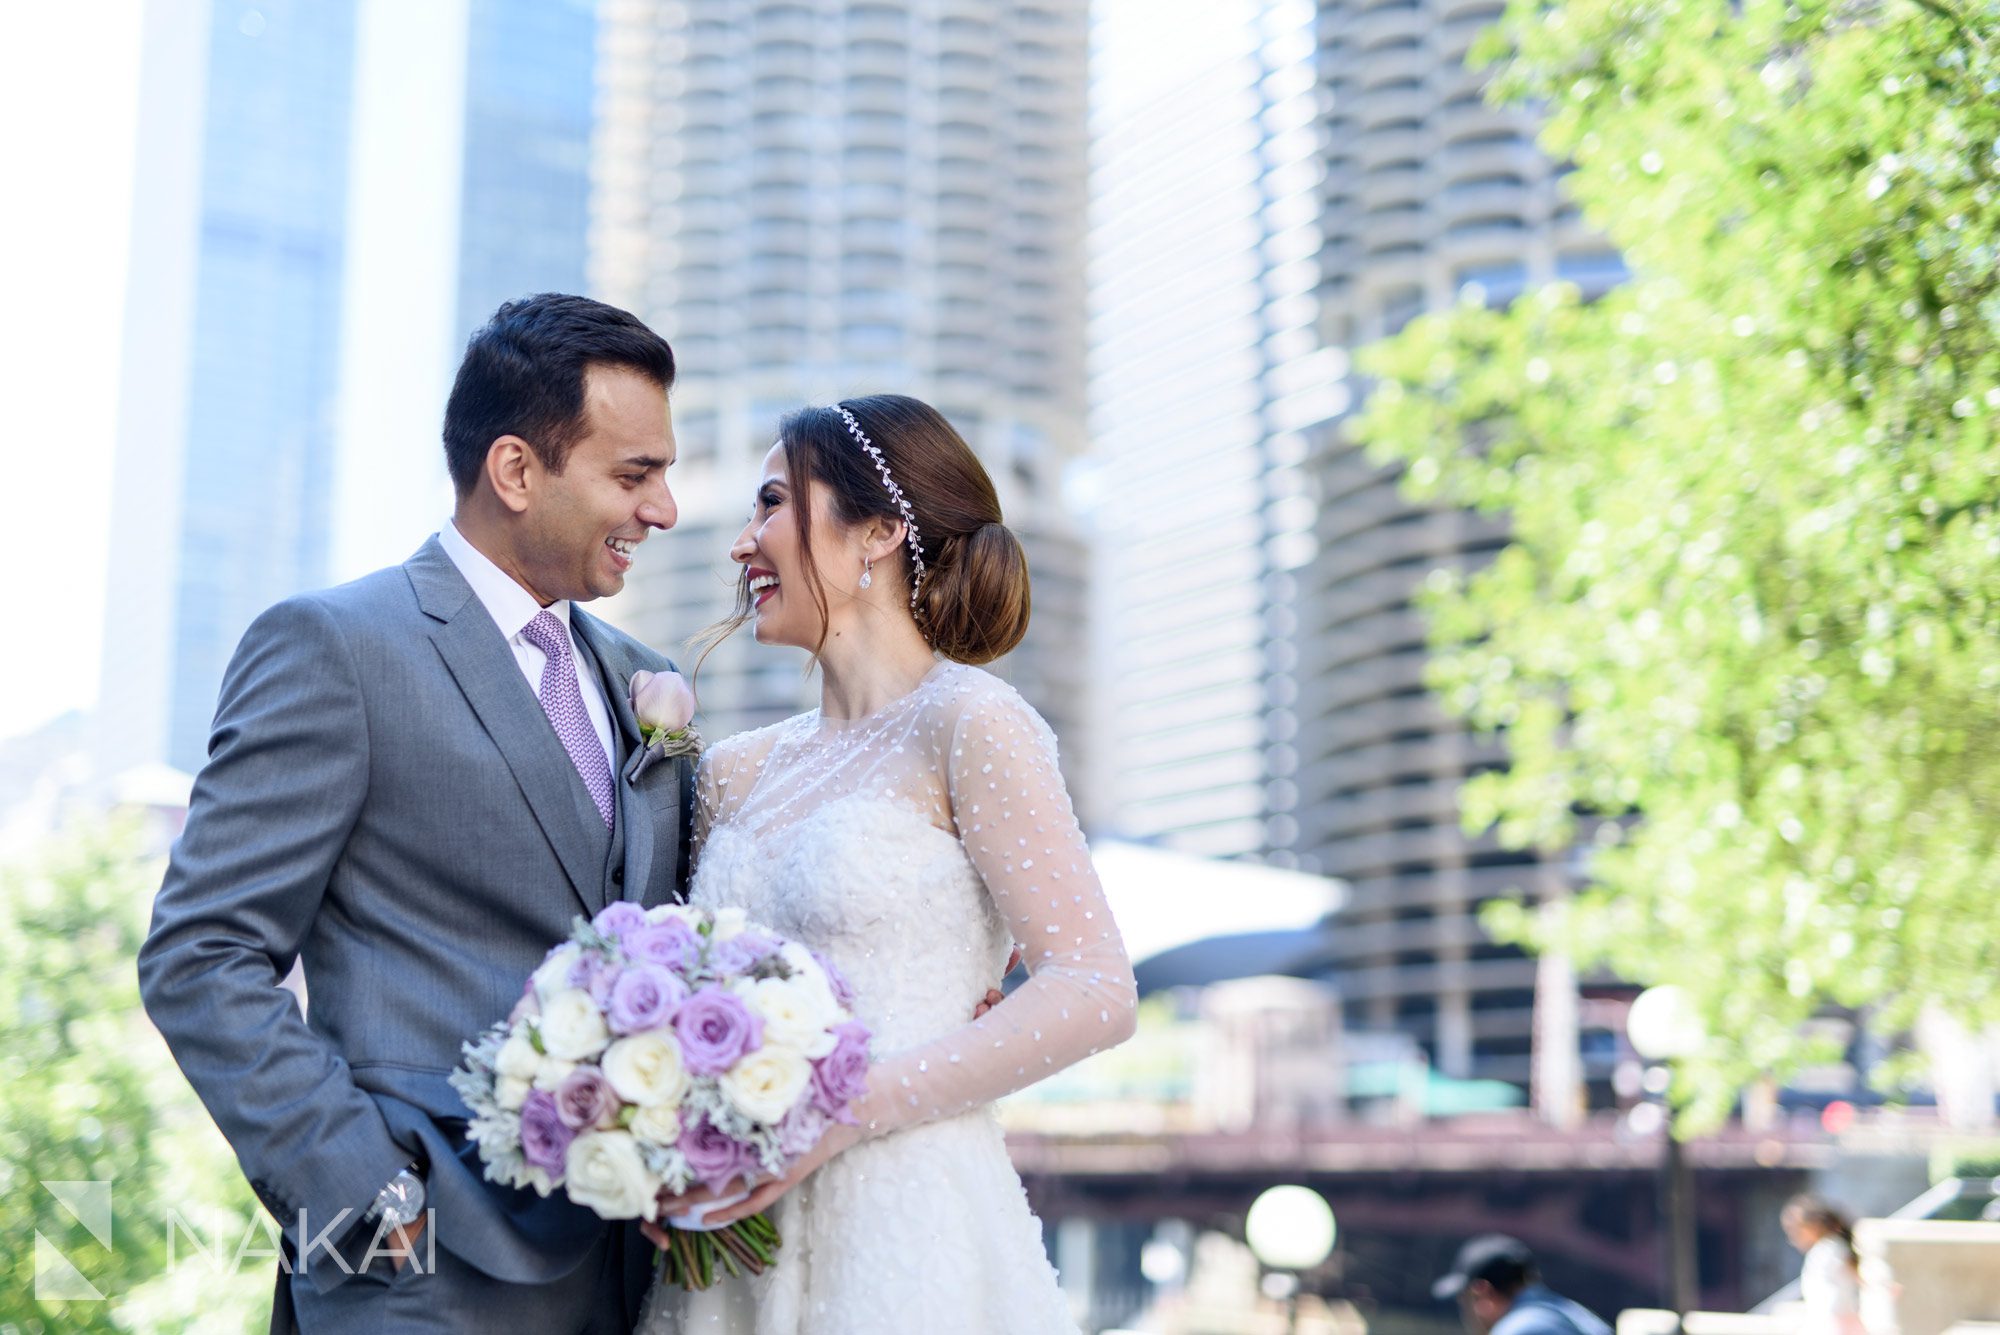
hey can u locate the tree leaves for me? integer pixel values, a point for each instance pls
(89, 1094)
(1753, 592)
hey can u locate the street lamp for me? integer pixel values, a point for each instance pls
(1290, 1229)
(1664, 1027)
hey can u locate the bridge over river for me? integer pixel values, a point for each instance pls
(1588, 1200)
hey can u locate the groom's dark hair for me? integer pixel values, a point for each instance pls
(523, 376)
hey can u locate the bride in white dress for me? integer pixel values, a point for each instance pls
(911, 829)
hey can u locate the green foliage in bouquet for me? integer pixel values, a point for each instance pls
(1745, 643)
(89, 1095)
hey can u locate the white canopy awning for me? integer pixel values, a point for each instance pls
(1164, 899)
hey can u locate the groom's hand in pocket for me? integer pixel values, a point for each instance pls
(993, 995)
(406, 1243)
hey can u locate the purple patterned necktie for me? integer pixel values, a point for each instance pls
(562, 701)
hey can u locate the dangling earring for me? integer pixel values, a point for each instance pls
(867, 572)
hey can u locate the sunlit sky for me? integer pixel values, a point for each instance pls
(68, 78)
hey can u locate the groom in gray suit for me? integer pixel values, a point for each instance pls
(415, 782)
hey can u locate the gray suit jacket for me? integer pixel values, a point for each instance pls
(385, 799)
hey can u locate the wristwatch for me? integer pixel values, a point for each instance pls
(400, 1203)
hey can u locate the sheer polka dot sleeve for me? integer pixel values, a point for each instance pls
(1014, 819)
(706, 796)
(723, 778)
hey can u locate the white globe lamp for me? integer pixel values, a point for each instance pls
(1290, 1228)
(1664, 1025)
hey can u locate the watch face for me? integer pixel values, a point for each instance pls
(404, 1199)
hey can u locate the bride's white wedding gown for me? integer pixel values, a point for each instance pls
(911, 848)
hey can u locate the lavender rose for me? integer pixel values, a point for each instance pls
(713, 1155)
(594, 973)
(802, 1128)
(664, 703)
(545, 1137)
(715, 1029)
(584, 1099)
(841, 1076)
(671, 944)
(618, 919)
(741, 953)
(644, 997)
(843, 991)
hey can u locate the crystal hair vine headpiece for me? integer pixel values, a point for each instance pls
(896, 495)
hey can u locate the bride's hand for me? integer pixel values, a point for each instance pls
(993, 995)
(763, 1193)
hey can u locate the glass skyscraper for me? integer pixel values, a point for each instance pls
(226, 422)
(525, 200)
(239, 357)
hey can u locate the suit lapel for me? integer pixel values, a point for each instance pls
(635, 813)
(476, 654)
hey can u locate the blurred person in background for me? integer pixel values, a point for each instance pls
(1830, 1280)
(1499, 1291)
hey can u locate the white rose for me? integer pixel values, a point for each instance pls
(571, 1026)
(664, 912)
(552, 1072)
(764, 1085)
(605, 1171)
(808, 972)
(646, 1069)
(795, 1013)
(517, 1056)
(729, 922)
(553, 976)
(510, 1092)
(658, 1123)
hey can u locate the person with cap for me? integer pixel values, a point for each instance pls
(1499, 1291)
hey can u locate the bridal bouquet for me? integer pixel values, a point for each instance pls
(660, 1048)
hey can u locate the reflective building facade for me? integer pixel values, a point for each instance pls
(253, 315)
(224, 466)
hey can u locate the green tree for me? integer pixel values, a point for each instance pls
(1745, 642)
(89, 1094)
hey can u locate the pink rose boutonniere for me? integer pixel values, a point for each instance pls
(664, 705)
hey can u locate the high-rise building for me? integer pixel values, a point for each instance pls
(329, 194)
(224, 471)
(1430, 197)
(814, 202)
(1209, 379)
(524, 200)
(1278, 185)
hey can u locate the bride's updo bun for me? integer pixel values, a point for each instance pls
(973, 603)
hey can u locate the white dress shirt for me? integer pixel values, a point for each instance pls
(512, 608)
